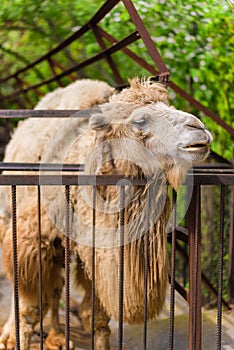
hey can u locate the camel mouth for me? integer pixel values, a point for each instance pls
(196, 148)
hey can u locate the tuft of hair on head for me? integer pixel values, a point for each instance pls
(142, 91)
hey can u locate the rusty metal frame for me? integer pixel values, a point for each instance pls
(108, 180)
(194, 224)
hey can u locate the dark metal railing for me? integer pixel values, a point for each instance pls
(221, 177)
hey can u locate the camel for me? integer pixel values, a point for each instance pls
(134, 133)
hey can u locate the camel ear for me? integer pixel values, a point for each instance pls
(98, 121)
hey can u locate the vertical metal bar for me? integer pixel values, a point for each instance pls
(172, 273)
(145, 36)
(185, 267)
(121, 266)
(15, 264)
(67, 268)
(231, 250)
(93, 267)
(220, 269)
(40, 265)
(109, 59)
(51, 65)
(194, 222)
(21, 85)
(146, 272)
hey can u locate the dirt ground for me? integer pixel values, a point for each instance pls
(133, 335)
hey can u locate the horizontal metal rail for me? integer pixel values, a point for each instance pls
(81, 180)
(117, 180)
(212, 179)
(19, 166)
(36, 113)
(40, 167)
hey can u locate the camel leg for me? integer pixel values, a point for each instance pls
(101, 319)
(28, 318)
(56, 339)
(52, 283)
(7, 338)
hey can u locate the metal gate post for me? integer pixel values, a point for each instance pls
(194, 227)
(231, 242)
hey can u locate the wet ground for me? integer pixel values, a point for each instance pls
(133, 335)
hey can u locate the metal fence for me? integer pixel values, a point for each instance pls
(190, 235)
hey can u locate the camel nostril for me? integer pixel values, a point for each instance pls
(194, 123)
(194, 126)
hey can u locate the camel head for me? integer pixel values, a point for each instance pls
(148, 138)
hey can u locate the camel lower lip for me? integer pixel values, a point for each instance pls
(195, 148)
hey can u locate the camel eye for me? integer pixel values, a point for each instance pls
(139, 122)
